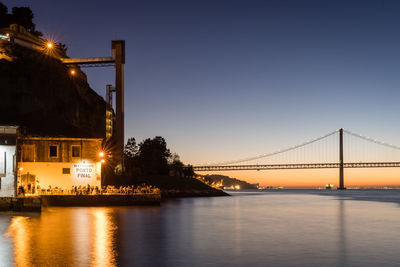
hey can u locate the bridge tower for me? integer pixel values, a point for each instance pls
(341, 174)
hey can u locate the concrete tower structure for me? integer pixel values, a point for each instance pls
(118, 48)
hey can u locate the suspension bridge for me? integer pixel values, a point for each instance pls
(325, 152)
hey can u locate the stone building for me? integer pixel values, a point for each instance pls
(42, 163)
(58, 162)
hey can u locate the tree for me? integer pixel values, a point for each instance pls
(130, 157)
(176, 165)
(153, 156)
(24, 17)
(4, 16)
(61, 47)
(188, 171)
(130, 148)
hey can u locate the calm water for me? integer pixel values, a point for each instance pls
(285, 228)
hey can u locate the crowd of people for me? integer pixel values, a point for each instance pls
(88, 190)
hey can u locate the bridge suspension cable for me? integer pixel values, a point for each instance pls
(274, 153)
(372, 140)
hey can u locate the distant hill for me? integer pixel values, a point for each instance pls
(228, 181)
(38, 93)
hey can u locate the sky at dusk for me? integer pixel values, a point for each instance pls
(223, 80)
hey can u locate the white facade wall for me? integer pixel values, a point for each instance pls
(51, 174)
(7, 171)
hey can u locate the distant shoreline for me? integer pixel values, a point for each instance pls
(174, 193)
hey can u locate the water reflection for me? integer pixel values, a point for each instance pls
(18, 229)
(342, 257)
(104, 228)
(67, 237)
(264, 229)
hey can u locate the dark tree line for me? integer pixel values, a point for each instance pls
(152, 157)
(19, 15)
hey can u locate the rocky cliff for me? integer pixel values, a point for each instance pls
(38, 93)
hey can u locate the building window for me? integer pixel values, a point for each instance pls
(76, 151)
(28, 153)
(66, 171)
(53, 151)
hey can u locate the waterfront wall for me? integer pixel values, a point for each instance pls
(20, 204)
(101, 200)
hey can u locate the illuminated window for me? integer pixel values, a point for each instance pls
(66, 171)
(28, 153)
(53, 151)
(76, 151)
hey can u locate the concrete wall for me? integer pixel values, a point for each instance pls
(101, 200)
(7, 174)
(51, 174)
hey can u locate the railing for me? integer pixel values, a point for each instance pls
(77, 192)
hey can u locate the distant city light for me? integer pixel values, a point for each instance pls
(73, 72)
(49, 45)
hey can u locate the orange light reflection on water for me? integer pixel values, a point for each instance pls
(65, 237)
(18, 231)
(103, 253)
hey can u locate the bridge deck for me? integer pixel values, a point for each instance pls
(297, 166)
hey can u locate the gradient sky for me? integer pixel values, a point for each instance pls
(223, 80)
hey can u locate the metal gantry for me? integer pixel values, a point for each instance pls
(118, 61)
